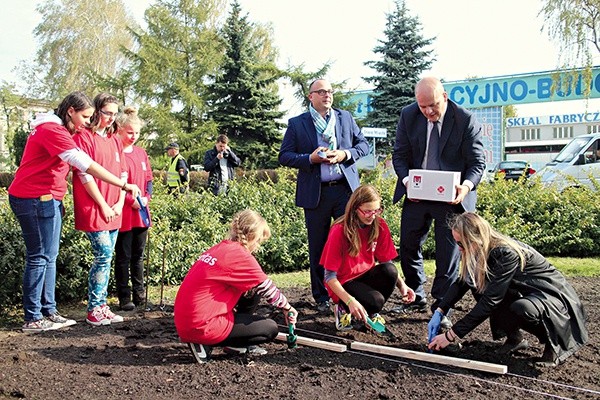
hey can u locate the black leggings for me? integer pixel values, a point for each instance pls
(249, 329)
(373, 288)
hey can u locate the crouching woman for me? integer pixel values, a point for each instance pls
(216, 303)
(517, 288)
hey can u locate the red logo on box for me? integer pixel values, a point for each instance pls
(441, 189)
(417, 179)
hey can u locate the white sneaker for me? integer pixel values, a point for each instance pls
(59, 321)
(252, 350)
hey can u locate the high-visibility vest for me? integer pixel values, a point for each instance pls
(173, 177)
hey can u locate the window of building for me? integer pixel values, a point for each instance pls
(593, 128)
(530, 134)
(563, 132)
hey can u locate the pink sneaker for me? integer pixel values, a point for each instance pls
(111, 316)
(96, 317)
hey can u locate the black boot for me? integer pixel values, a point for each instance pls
(549, 358)
(514, 342)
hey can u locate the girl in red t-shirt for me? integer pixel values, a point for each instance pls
(133, 234)
(98, 206)
(216, 301)
(358, 239)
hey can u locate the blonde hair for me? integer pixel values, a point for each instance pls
(129, 116)
(248, 226)
(478, 240)
(363, 194)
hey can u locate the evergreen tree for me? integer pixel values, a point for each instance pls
(176, 55)
(403, 58)
(244, 94)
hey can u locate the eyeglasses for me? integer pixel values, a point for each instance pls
(108, 114)
(370, 213)
(322, 92)
(459, 244)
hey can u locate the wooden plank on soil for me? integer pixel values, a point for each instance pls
(321, 344)
(433, 358)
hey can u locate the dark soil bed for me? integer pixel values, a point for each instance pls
(142, 358)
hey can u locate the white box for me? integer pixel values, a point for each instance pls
(433, 185)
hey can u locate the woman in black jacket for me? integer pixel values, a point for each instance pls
(517, 288)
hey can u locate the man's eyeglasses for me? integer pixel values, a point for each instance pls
(322, 92)
(459, 244)
(370, 213)
(108, 114)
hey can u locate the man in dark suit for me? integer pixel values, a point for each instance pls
(324, 144)
(459, 148)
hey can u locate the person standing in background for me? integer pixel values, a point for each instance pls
(324, 144)
(178, 171)
(98, 206)
(219, 162)
(434, 133)
(133, 234)
(36, 198)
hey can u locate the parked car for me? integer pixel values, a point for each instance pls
(512, 170)
(577, 164)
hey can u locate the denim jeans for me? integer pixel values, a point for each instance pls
(41, 223)
(103, 245)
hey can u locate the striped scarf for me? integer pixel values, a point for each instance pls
(327, 131)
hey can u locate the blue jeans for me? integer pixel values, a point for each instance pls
(41, 223)
(103, 245)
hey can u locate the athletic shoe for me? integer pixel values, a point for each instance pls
(252, 350)
(200, 352)
(96, 317)
(60, 321)
(324, 306)
(343, 319)
(41, 325)
(415, 306)
(110, 315)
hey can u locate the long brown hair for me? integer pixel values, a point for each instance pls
(363, 194)
(478, 239)
(100, 101)
(79, 101)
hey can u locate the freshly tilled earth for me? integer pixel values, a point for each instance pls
(142, 358)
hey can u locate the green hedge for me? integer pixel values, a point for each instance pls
(557, 224)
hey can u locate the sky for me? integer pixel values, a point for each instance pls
(472, 38)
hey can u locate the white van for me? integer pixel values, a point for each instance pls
(575, 163)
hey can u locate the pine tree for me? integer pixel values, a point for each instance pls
(404, 58)
(244, 94)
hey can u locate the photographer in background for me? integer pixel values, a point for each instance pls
(219, 162)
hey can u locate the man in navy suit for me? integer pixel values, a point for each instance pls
(459, 148)
(324, 144)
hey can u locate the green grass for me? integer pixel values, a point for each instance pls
(568, 266)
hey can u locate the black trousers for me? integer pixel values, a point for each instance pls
(332, 205)
(373, 288)
(129, 262)
(250, 329)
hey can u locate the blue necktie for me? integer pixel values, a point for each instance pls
(433, 161)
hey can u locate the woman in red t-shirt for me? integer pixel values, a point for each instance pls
(133, 234)
(358, 239)
(216, 301)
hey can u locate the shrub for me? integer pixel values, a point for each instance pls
(564, 224)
